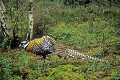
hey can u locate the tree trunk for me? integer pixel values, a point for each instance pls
(2, 19)
(30, 10)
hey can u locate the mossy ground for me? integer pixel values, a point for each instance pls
(19, 65)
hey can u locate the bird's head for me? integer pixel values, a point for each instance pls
(24, 44)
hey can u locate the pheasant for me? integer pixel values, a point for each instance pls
(47, 45)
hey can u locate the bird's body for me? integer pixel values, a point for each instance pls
(47, 45)
(34, 42)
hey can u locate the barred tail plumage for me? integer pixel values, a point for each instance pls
(74, 53)
(61, 50)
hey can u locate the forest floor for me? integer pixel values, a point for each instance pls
(19, 65)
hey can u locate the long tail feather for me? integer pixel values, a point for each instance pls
(60, 49)
(74, 53)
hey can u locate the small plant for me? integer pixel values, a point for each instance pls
(6, 69)
(116, 75)
(5, 43)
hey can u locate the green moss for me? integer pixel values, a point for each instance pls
(60, 75)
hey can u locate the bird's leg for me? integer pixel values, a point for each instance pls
(43, 63)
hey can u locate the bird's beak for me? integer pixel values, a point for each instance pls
(20, 45)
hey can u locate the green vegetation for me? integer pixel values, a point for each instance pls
(93, 28)
(90, 26)
(19, 65)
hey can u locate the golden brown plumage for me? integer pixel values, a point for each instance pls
(47, 45)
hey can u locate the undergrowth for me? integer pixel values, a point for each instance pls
(21, 65)
(81, 27)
